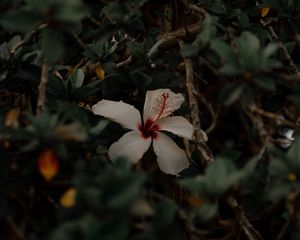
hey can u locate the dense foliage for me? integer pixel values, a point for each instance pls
(235, 62)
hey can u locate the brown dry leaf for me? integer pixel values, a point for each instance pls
(11, 118)
(68, 199)
(48, 164)
(194, 201)
(264, 11)
(71, 132)
(99, 71)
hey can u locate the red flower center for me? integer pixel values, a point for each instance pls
(149, 129)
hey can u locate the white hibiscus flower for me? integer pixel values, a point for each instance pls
(159, 104)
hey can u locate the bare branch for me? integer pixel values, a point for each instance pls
(42, 88)
(278, 118)
(203, 149)
(249, 230)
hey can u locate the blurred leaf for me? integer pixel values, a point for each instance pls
(21, 20)
(265, 82)
(165, 211)
(264, 11)
(100, 72)
(231, 93)
(208, 211)
(68, 199)
(77, 78)
(71, 132)
(52, 45)
(48, 164)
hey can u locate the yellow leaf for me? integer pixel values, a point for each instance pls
(68, 199)
(71, 132)
(292, 177)
(194, 201)
(99, 71)
(11, 118)
(264, 11)
(48, 164)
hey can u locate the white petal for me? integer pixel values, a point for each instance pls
(124, 114)
(131, 146)
(161, 103)
(177, 125)
(171, 159)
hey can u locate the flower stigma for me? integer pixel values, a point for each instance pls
(149, 129)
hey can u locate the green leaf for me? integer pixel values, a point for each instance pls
(208, 211)
(22, 20)
(270, 50)
(243, 20)
(56, 88)
(295, 98)
(196, 184)
(265, 82)
(278, 168)
(126, 189)
(207, 33)
(218, 8)
(277, 191)
(231, 93)
(77, 78)
(165, 210)
(217, 177)
(293, 155)
(249, 49)
(188, 50)
(137, 49)
(71, 11)
(232, 65)
(52, 46)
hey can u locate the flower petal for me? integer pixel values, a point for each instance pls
(124, 114)
(171, 159)
(131, 146)
(161, 103)
(177, 125)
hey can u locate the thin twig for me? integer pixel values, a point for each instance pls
(187, 149)
(203, 149)
(27, 38)
(279, 119)
(171, 38)
(214, 116)
(205, 152)
(191, 229)
(194, 8)
(42, 88)
(290, 205)
(17, 230)
(281, 45)
(125, 62)
(79, 41)
(249, 230)
(94, 21)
